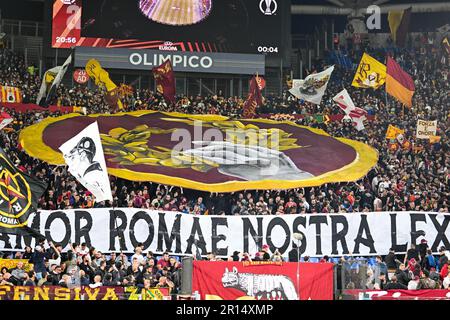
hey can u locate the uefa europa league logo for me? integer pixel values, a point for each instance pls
(271, 6)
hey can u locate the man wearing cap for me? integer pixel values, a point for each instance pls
(82, 156)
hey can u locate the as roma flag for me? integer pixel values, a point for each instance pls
(399, 83)
(261, 280)
(19, 195)
(244, 155)
(165, 80)
(254, 99)
(399, 24)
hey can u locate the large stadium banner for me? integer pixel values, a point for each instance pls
(208, 152)
(82, 293)
(357, 234)
(262, 280)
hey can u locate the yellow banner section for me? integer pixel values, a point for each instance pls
(12, 264)
(82, 293)
(370, 73)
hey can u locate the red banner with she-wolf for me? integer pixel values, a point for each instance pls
(262, 280)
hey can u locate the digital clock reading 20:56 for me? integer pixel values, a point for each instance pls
(267, 49)
(66, 40)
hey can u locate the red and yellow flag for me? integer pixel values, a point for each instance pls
(11, 94)
(254, 98)
(392, 132)
(165, 81)
(435, 139)
(399, 84)
(399, 25)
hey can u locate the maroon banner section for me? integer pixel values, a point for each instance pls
(263, 280)
(25, 107)
(82, 293)
(433, 294)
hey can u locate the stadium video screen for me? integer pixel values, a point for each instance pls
(234, 26)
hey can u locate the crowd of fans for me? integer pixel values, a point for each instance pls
(419, 269)
(408, 176)
(84, 266)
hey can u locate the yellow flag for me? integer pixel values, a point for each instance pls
(102, 79)
(394, 18)
(370, 73)
(435, 139)
(392, 132)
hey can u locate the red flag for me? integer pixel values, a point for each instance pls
(165, 80)
(5, 119)
(254, 98)
(399, 83)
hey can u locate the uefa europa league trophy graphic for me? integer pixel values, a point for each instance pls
(268, 11)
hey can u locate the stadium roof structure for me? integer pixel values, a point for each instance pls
(355, 7)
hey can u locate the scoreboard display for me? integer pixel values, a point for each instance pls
(229, 26)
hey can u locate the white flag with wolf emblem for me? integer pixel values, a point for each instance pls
(84, 156)
(313, 87)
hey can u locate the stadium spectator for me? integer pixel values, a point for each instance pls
(394, 285)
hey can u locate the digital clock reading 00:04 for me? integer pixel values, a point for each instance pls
(66, 40)
(268, 49)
